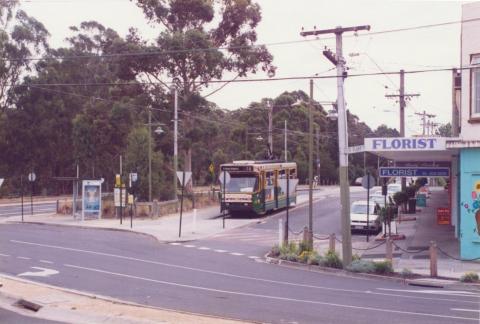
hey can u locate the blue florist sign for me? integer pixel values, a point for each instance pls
(405, 144)
(414, 172)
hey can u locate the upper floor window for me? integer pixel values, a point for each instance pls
(475, 77)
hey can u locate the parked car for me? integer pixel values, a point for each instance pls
(358, 217)
(378, 198)
(393, 188)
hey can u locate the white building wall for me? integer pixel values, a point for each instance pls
(470, 44)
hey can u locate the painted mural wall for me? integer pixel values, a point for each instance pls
(470, 203)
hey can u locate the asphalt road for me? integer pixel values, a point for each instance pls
(38, 208)
(257, 239)
(186, 277)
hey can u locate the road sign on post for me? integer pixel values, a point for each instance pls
(368, 182)
(1, 181)
(32, 177)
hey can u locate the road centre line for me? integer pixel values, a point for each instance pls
(269, 296)
(204, 248)
(189, 245)
(230, 275)
(220, 251)
(236, 254)
(466, 310)
(4, 255)
(45, 261)
(23, 258)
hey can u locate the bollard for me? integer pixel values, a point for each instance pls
(194, 220)
(280, 232)
(433, 259)
(306, 236)
(331, 242)
(389, 252)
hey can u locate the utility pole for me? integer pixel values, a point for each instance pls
(286, 155)
(246, 141)
(402, 96)
(339, 62)
(149, 154)
(270, 125)
(425, 122)
(175, 142)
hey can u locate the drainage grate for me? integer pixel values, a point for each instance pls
(28, 305)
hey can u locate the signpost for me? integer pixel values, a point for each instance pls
(184, 178)
(224, 179)
(133, 177)
(368, 182)
(1, 181)
(425, 172)
(32, 177)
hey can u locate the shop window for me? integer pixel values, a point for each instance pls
(475, 86)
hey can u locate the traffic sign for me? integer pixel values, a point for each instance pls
(1, 181)
(224, 175)
(211, 168)
(188, 175)
(134, 177)
(32, 176)
(368, 181)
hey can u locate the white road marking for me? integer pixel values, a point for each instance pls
(189, 245)
(231, 275)
(44, 272)
(306, 301)
(236, 253)
(175, 243)
(4, 255)
(253, 257)
(466, 310)
(436, 292)
(45, 261)
(204, 248)
(23, 258)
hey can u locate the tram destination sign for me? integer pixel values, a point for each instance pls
(431, 172)
(405, 144)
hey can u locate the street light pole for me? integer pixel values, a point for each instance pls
(310, 167)
(175, 142)
(270, 125)
(149, 154)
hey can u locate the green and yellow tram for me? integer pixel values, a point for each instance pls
(258, 186)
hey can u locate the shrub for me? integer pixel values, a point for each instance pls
(469, 277)
(406, 273)
(400, 198)
(291, 257)
(411, 191)
(275, 251)
(314, 259)
(332, 260)
(303, 256)
(291, 247)
(356, 257)
(363, 266)
(383, 267)
(303, 246)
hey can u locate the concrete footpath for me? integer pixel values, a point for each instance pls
(413, 252)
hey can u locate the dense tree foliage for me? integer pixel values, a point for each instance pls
(85, 105)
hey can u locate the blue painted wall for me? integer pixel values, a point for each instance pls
(470, 203)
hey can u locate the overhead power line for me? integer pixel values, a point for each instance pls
(251, 46)
(95, 84)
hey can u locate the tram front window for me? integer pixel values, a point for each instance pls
(242, 183)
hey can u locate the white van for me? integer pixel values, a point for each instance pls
(358, 217)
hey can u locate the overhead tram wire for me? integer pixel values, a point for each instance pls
(241, 80)
(251, 46)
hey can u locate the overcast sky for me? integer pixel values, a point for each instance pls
(282, 21)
